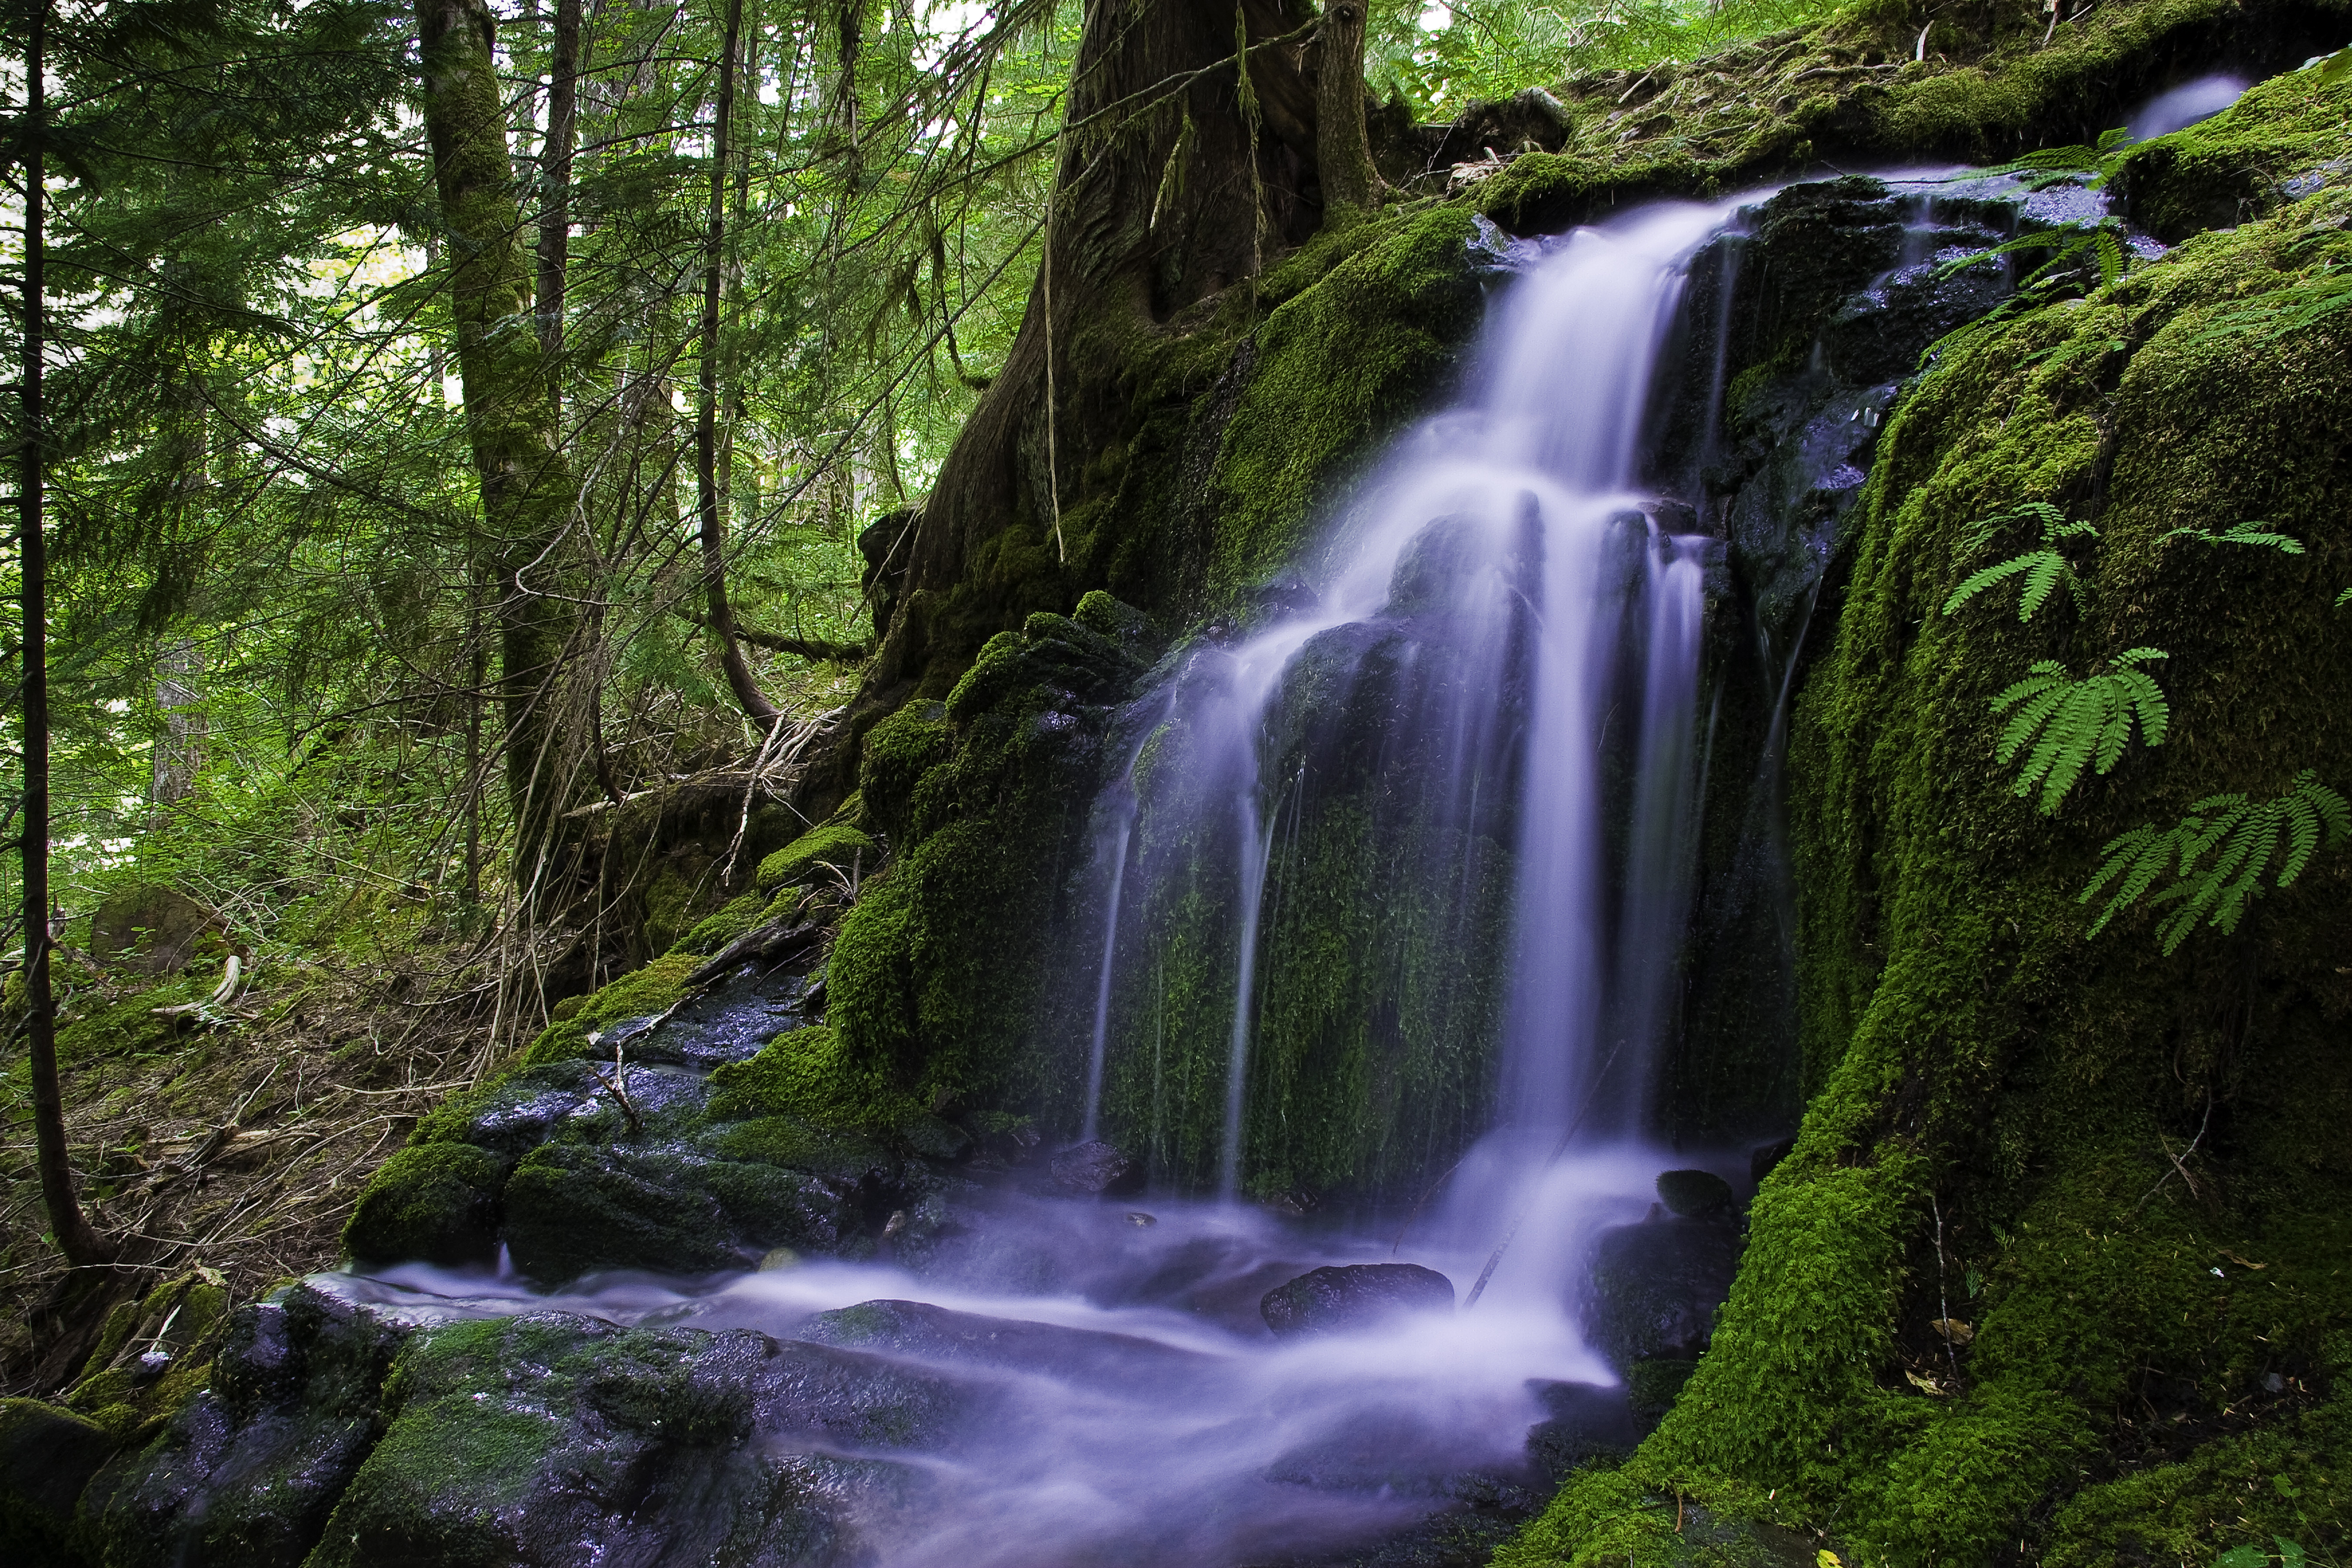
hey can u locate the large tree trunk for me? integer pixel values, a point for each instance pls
(528, 496)
(1170, 187)
(1343, 149)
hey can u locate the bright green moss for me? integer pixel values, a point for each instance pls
(787, 1140)
(895, 756)
(636, 994)
(2288, 137)
(435, 1201)
(828, 848)
(715, 931)
(1982, 1070)
(804, 1075)
(1338, 367)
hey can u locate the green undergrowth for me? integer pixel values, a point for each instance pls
(2127, 1173)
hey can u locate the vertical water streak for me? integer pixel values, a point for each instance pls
(1092, 1127)
(1256, 844)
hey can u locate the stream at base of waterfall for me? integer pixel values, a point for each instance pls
(1068, 1376)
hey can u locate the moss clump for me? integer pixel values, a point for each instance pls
(790, 1142)
(636, 994)
(832, 846)
(2287, 139)
(437, 1202)
(715, 931)
(896, 754)
(670, 903)
(1986, 1078)
(804, 1075)
(1338, 367)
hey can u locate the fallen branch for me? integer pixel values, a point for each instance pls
(232, 972)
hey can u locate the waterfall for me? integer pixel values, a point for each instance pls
(1532, 620)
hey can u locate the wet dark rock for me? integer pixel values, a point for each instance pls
(539, 1439)
(1695, 1195)
(728, 1025)
(935, 1138)
(1354, 1297)
(437, 1202)
(1096, 1169)
(931, 1333)
(1582, 1422)
(1651, 1386)
(571, 1208)
(248, 1472)
(1654, 1288)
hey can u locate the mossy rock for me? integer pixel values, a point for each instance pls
(249, 1470)
(48, 1457)
(714, 931)
(639, 993)
(572, 1209)
(437, 1202)
(153, 1355)
(743, 1433)
(792, 1144)
(803, 1073)
(832, 846)
(894, 757)
(2287, 139)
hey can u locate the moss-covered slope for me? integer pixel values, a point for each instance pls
(2126, 1173)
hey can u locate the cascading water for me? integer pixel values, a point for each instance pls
(1549, 618)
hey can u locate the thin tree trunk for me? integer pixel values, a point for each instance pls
(555, 190)
(528, 494)
(748, 695)
(1343, 149)
(76, 1238)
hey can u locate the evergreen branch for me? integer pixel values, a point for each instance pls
(2244, 534)
(2069, 724)
(2243, 837)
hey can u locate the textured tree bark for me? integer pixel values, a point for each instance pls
(528, 494)
(1166, 192)
(1343, 149)
(555, 189)
(76, 1238)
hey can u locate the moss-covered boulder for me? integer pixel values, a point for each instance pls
(438, 1202)
(574, 1207)
(728, 1448)
(247, 1473)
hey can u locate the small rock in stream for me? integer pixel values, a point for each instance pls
(1354, 1297)
(1096, 1169)
(1695, 1195)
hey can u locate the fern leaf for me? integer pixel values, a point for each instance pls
(2244, 534)
(2074, 724)
(1979, 582)
(2244, 838)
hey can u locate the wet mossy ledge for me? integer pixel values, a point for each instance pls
(2055, 1272)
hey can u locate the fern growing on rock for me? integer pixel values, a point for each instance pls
(2063, 725)
(2255, 533)
(2217, 856)
(2043, 570)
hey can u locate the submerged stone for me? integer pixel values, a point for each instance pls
(1654, 1288)
(1695, 1195)
(1096, 1169)
(1354, 1297)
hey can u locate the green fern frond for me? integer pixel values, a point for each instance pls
(2042, 569)
(2072, 725)
(2244, 534)
(2344, 598)
(2295, 308)
(2244, 838)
